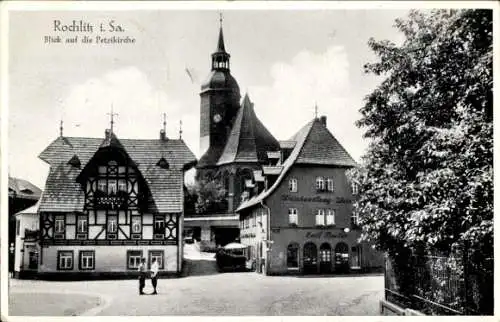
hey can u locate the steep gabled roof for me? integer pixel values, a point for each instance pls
(64, 193)
(322, 148)
(315, 145)
(249, 140)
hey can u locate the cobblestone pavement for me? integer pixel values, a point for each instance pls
(206, 292)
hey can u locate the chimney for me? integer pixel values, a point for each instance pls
(163, 136)
(107, 133)
(322, 119)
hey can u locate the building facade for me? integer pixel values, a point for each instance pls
(303, 222)
(27, 247)
(233, 143)
(108, 203)
(22, 195)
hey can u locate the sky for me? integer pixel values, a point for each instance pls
(286, 60)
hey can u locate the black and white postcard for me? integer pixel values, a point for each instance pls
(247, 159)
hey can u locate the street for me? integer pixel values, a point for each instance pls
(203, 292)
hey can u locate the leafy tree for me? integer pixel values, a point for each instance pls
(209, 194)
(427, 181)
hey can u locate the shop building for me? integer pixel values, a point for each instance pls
(303, 222)
(233, 145)
(108, 203)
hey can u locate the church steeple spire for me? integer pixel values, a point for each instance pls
(220, 44)
(220, 58)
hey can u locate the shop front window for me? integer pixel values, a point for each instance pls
(341, 257)
(310, 258)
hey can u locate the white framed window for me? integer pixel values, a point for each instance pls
(293, 216)
(101, 185)
(112, 187)
(158, 256)
(330, 217)
(320, 184)
(87, 259)
(122, 185)
(65, 260)
(354, 188)
(329, 184)
(112, 224)
(354, 218)
(82, 224)
(59, 225)
(292, 185)
(133, 259)
(136, 225)
(159, 226)
(320, 217)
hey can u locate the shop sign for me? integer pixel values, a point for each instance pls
(325, 234)
(338, 200)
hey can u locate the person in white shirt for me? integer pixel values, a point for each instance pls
(154, 274)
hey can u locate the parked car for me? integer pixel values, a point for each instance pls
(230, 261)
(188, 239)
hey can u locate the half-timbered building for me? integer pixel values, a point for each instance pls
(108, 203)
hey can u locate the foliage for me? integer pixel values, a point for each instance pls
(208, 194)
(427, 180)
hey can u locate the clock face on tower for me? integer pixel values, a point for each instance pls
(217, 118)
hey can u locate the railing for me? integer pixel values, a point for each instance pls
(441, 285)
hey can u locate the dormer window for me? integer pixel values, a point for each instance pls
(162, 163)
(75, 161)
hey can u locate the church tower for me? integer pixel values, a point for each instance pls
(220, 101)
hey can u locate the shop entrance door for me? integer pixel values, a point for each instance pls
(310, 258)
(325, 258)
(341, 258)
(33, 260)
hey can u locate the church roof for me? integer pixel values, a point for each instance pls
(220, 79)
(315, 145)
(64, 193)
(249, 140)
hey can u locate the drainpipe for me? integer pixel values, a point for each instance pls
(268, 233)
